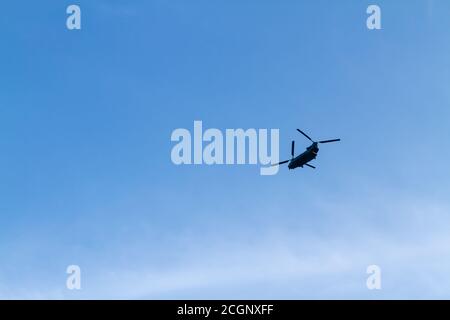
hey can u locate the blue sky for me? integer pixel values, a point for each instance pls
(86, 175)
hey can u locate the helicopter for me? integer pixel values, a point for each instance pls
(310, 153)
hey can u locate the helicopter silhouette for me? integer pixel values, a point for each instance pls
(310, 153)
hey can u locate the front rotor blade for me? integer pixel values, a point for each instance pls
(327, 141)
(292, 148)
(282, 162)
(305, 134)
(310, 166)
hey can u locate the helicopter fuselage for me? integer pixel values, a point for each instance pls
(302, 159)
(308, 155)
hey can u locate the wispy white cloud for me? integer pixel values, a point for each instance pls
(407, 237)
(332, 266)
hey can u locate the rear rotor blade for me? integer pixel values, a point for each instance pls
(282, 162)
(305, 135)
(327, 141)
(292, 148)
(310, 166)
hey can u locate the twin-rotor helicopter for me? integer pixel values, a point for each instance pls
(308, 155)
